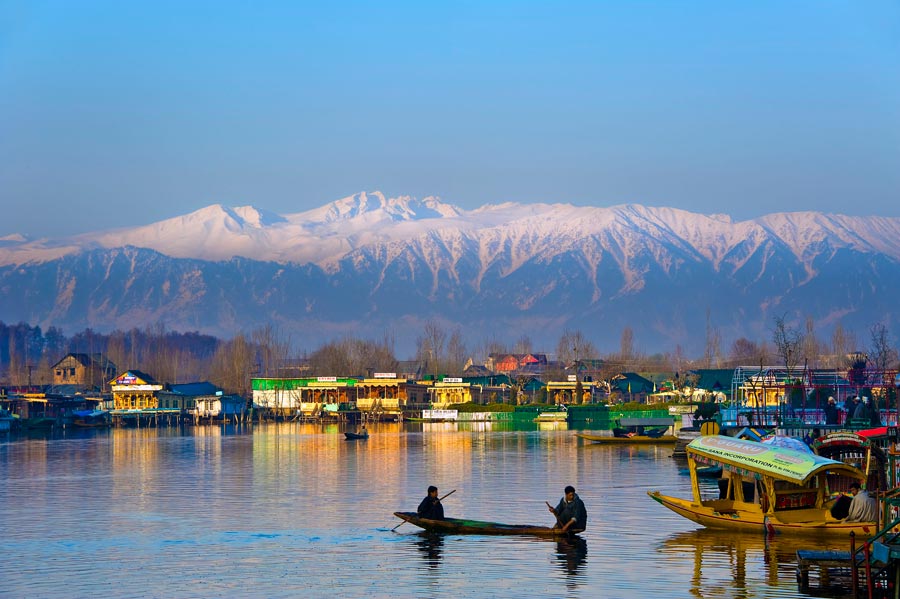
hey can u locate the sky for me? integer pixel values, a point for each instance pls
(118, 114)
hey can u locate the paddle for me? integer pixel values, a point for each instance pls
(558, 521)
(439, 499)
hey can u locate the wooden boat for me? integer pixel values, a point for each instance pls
(37, 424)
(635, 439)
(767, 489)
(91, 418)
(636, 430)
(477, 527)
(354, 436)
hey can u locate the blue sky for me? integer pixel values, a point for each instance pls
(124, 113)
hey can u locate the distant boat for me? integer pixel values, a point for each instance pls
(636, 430)
(37, 424)
(90, 418)
(354, 436)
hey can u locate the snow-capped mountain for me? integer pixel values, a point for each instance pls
(367, 263)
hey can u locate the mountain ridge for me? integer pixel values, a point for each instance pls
(367, 263)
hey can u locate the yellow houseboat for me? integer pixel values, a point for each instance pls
(766, 488)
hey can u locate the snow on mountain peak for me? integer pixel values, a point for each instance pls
(372, 207)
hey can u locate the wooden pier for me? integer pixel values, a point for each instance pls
(828, 565)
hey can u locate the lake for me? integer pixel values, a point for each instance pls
(291, 510)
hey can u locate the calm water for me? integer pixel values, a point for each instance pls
(294, 510)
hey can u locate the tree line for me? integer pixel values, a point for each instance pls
(27, 353)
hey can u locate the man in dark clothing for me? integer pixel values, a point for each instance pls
(431, 506)
(841, 507)
(571, 514)
(831, 412)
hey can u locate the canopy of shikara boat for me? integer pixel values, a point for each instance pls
(752, 459)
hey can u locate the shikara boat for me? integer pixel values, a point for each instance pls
(636, 430)
(354, 436)
(90, 418)
(477, 527)
(766, 489)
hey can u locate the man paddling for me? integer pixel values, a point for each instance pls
(570, 513)
(431, 507)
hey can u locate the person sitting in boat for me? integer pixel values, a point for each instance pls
(863, 508)
(571, 515)
(841, 507)
(431, 507)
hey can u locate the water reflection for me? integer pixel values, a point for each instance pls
(571, 553)
(431, 545)
(727, 563)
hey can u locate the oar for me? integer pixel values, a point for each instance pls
(558, 521)
(439, 499)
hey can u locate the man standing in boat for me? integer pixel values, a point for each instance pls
(570, 513)
(431, 507)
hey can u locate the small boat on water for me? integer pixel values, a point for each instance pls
(767, 489)
(354, 436)
(477, 527)
(91, 418)
(636, 430)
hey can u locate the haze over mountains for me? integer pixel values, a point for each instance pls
(367, 264)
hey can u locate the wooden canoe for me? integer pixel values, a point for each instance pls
(476, 527)
(634, 439)
(354, 436)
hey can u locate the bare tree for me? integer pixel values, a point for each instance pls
(456, 353)
(743, 351)
(842, 343)
(788, 342)
(811, 349)
(573, 345)
(272, 350)
(677, 360)
(882, 354)
(626, 345)
(430, 346)
(352, 357)
(523, 345)
(232, 364)
(713, 339)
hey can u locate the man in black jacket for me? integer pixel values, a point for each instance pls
(431, 506)
(571, 514)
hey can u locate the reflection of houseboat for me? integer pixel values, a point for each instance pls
(767, 488)
(559, 416)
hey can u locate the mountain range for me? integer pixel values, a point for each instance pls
(367, 264)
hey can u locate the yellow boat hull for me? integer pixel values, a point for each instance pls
(609, 439)
(748, 517)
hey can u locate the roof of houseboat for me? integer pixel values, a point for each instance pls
(750, 457)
